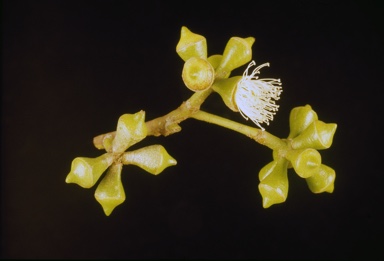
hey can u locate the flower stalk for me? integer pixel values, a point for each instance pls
(258, 135)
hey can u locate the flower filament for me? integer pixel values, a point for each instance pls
(255, 98)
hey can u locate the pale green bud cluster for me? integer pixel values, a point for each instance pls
(131, 129)
(254, 98)
(307, 136)
(200, 71)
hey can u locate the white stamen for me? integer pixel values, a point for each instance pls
(255, 98)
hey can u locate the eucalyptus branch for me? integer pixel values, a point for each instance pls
(169, 124)
(253, 98)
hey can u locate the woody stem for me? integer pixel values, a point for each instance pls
(169, 123)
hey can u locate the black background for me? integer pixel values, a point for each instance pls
(71, 68)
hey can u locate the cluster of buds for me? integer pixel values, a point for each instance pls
(307, 136)
(254, 98)
(131, 129)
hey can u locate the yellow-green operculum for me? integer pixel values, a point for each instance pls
(299, 119)
(153, 159)
(131, 129)
(86, 171)
(323, 180)
(307, 131)
(318, 135)
(110, 191)
(198, 74)
(305, 162)
(237, 52)
(254, 98)
(273, 185)
(191, 45)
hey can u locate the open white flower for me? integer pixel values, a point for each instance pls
(255, 98)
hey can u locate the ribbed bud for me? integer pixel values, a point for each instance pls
(323, 180)
(237, 52)
(226, 88)
(305, 162)
(191, 45)
(153, 159)
(273, 185)
(110, 192)
(131, 128)
(300, 118)
(86, 171)
(318, 135)
(198, 74)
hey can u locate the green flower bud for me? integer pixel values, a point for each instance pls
(323, 180)
(304, 161)
(237, 52)
(273, 185)
(191, 45)
(86, 171)
(318, 135)
(107, 141)
(131, 129)
(226, 88)
(198, 74)
(110, 192)
(300, 118)
(215, 60)
(153, 159)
